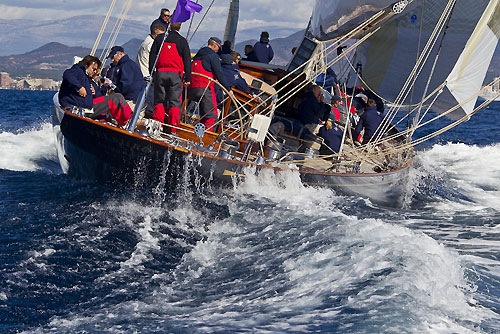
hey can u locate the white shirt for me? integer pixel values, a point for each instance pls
(143, 55)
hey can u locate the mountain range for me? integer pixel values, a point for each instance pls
(51, 59)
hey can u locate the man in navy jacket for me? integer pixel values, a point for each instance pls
(163, 19)
(127, 75)
(370, 120)
(75, 88)
(312, 110)
(263, 50)
(202, 90)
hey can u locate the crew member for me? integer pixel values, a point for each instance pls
(263, 50)
(109, 107)
(207, 62)
(370, 120)
(75, 88)
(172, 69)
(231, 72)
(332, 136)
(250, 54)
(145, 48)
(312, 110)
(226, 48)
(163, 19)
(127, 76)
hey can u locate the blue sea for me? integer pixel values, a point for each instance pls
(269, 256)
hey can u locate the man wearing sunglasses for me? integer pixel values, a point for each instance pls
(163, 19)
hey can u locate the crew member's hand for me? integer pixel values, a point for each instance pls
(82, 92)
(187, 83)
(148, 78)
(231, 94)
(92, 89)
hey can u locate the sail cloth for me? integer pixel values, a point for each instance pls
(184, 9)
(389, 56)
(334, 18)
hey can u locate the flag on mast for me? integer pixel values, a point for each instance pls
(184, 9)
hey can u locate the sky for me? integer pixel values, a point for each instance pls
(253, 13)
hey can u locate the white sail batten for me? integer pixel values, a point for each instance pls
(469, 72)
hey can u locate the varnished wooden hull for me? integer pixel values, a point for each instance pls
(91, 149)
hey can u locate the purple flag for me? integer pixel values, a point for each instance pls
(184, 9)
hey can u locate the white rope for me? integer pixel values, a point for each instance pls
(103, 26)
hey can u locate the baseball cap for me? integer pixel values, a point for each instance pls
(216, 40)
(114, 50)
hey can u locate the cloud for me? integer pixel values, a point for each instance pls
(255, 13)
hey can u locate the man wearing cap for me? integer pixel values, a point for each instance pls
(172, 69)
(312, 110)
(127, 75)
(332, 136)
(163, 19)
(207, 63)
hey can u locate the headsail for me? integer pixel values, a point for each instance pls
(390, 55)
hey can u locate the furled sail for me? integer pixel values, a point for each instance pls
(390, 55)
(334, 18)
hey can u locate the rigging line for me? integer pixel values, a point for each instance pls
(311, 61)
(419, 66)
(203, 18)
(418, 50)
(103, 27)
(122, 20)
(110, 36)
(417, 119)
(106, 47)
(423, 56)
(448, 127)
(191, 22)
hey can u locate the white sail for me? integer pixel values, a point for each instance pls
(467, 76)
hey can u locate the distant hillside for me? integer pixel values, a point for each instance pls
(50, 60)
(20, 36)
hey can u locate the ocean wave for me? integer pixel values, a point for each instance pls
(460, 176)
(32, 149)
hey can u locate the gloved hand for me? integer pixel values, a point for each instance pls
(148, 78)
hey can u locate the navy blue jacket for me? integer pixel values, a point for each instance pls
(99, 90)
(370, 121)
(333, 139)
(128, 78)
(233, 77)
(263, 51)
(211, 63)
(75, 78)
(251, 57)
(160, 21)
(327, 80)
(311, 111)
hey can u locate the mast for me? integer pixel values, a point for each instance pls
(232, 21)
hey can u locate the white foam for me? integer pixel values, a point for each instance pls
(473, 170)
(20, 151)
